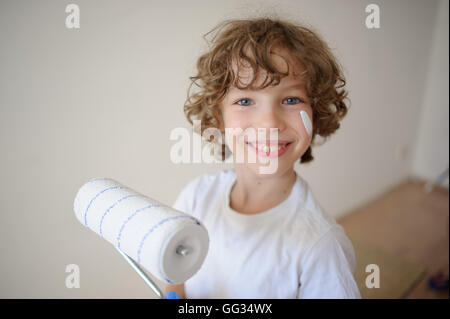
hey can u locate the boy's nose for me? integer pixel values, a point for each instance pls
(269, 118)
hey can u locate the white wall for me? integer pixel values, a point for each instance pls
(102, 101)
(431, 152)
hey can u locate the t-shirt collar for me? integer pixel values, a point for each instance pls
(283, 208)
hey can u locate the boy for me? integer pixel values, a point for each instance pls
(269, 238)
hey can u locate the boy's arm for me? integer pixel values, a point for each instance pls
(179, 289)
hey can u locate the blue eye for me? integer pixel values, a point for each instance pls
(243, 100)
(295, 99)
(292, 101)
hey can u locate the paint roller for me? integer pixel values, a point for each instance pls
(170, 244)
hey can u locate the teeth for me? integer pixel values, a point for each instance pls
(268, 149)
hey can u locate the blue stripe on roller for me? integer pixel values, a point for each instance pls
(129, 218)
(156, 226)
(87, 208)
(111, 207)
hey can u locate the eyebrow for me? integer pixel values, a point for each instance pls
(294, 85)
(236, 92)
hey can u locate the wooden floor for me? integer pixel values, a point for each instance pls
(408, 222)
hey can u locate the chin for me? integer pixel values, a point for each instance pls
(258, 169)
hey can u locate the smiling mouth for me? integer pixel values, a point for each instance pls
(270, 149)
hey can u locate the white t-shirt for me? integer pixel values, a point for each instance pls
(293, 250)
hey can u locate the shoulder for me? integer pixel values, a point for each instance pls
(200, 187)
(334, 237)
(310, 224)
(207, 180)
(316, 229)
(333, 248)
(310, 217)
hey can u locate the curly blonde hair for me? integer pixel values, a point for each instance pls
(251, 41)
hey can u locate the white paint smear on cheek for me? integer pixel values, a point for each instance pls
(306, 122)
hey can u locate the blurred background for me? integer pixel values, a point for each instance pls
(101, 101)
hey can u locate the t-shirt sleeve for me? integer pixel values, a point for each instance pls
(185, 202)
(328, 267)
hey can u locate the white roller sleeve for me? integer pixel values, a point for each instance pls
(143, 228)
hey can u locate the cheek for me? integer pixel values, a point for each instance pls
(232, 118)
(235, 122)
(306, 122)
(301, 122)
(233, 133)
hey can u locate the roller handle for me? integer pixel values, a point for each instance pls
(171, 294)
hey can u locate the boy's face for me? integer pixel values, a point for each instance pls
(277, 107)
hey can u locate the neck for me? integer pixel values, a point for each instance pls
(253, 193)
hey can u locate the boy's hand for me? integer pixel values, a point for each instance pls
(175, 291)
